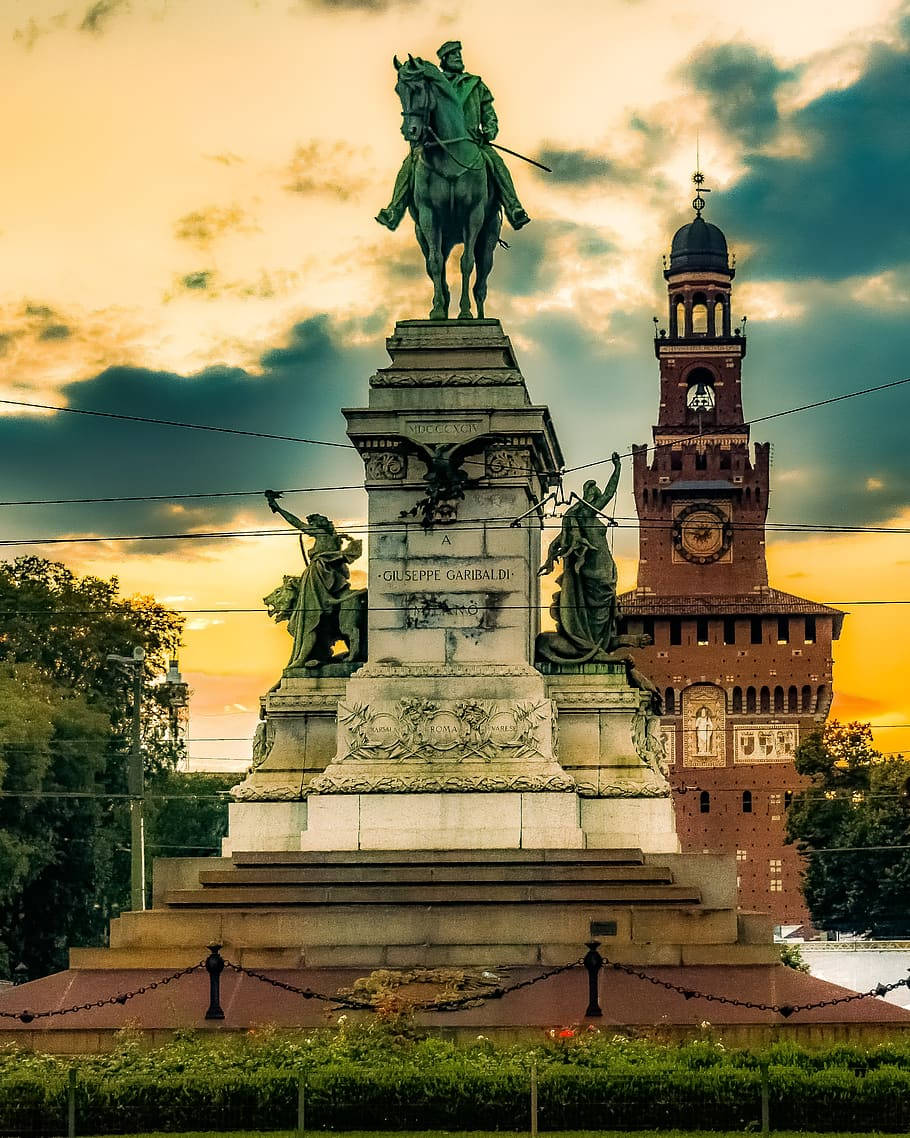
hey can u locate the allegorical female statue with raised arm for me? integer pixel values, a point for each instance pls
(320, 607)
(584, 605)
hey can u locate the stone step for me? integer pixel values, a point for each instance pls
(462, 893)
(501, 874)
(437, 857)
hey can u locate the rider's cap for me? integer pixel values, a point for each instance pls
(448, 47)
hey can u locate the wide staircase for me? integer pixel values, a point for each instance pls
(376, 908)
(436, 877)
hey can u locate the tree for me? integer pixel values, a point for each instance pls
(65, 714)
(51, 754)
(187, 815)
(854, 804)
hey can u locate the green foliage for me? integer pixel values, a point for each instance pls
(791, 955)
(65, 714)
(190, 822)
(371, 1074)
(853, 801)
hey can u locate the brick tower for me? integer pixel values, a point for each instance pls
(745, 670)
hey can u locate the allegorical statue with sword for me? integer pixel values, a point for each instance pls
(452, 181)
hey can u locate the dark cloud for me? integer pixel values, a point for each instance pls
(740, 83)
(203, 227)
(838, 209)
(297, 390)
(359, 5)
(575, 165)
(197, 281)
(540, 253)
(98, 15)
(55, 332)
(211, 285)
(318, 167)
(29, 33)
(581, 167)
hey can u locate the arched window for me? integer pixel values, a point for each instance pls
(704, 802)
(792, 698)
(764, 703)
(679, 311)
(699, 314)
(718, 318)
(750, 699)
(807, 698)
(747, 802)
(670, 701)
(701, 399)
(821, 704)
(737, 700)
(788, 799)
(778, 698)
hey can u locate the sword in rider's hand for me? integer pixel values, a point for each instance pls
(523, 157)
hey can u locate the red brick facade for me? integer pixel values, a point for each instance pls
(745, 670)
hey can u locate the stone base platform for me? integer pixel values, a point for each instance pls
(629, 1005)
(467, 908)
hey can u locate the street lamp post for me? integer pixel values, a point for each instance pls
(136, 783)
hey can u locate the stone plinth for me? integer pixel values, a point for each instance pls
(454, 583)
(625, 795)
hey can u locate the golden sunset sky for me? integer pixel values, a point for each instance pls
(187, 233)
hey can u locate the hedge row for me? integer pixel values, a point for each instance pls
(401, 1097)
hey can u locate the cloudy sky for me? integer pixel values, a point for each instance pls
(186, 233)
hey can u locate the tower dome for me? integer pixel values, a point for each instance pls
(699, 245)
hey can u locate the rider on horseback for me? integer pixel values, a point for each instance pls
(480, 119)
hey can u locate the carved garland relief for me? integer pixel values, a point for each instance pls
(424, 730)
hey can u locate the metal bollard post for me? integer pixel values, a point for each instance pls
(214, 965)
(765, 1100)
(593, 962)
(71, 1104)
(301, 1106)
(533, 1098)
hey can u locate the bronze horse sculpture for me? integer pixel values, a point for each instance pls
(453, 200)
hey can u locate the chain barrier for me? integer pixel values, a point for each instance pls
(786, 1010)
(593, 962)
(306, 993)
(443, 1005)
(121, 998)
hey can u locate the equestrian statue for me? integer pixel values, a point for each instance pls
(453, 183)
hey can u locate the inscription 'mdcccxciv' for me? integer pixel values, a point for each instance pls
(447, 427)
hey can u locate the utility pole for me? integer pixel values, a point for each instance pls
(136, 783)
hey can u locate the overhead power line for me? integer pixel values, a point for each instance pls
(174, 497)
(751, 422)
(403, 526)
(349, 446)
(173, 423)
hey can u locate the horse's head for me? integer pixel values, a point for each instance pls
(416, 91)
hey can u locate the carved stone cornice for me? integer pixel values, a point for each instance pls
(445, 671)
(508, 377)
(624, 790)
(438, 784)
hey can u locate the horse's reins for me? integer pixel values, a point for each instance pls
(443, 142)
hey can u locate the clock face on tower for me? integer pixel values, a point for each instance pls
(702, 533)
